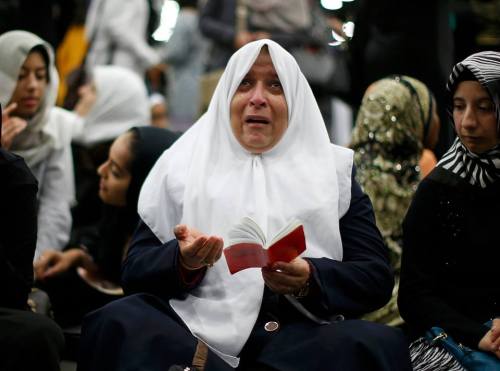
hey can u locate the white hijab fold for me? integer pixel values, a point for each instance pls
(35, 142)
(121, 103)
(207, 180)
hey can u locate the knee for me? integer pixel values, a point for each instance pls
(39, 334)
(363, 334)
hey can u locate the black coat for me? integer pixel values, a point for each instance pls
(18, 222)
(449, 273)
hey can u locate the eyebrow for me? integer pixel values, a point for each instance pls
(480, 99)
(36, 69)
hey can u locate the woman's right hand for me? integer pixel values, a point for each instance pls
(196, 249)
(52, 262)
(11, 126)
(491, 340)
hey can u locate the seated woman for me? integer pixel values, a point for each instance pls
(86, 275)
(450, 280)
(29, 341)
(262, 151)
(115, 100)
(396, 121)
(37, 131)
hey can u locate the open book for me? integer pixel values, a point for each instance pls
(247, 247)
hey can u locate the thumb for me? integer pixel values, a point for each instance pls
(180, 231)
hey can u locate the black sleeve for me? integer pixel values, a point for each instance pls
(151, 266)
(420, 299)
(363, 280)
(18, 229)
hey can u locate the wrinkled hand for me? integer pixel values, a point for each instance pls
(196, 249)
(11, 126)
(491, 340)
(287, 278)
(52, 263)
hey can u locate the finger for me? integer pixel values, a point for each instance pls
(54, 271)
(193, 250)
(278, 287)
(496, 344)
(212, 250)
(10, 108)
(282, 279)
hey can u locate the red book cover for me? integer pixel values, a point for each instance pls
(245, 255)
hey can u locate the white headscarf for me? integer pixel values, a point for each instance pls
(122, 102)
(207, 180)
(34, 143)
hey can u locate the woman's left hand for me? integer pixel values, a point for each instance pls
(287, 278)
(491, 340)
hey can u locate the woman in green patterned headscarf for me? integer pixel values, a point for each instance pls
(396, 120)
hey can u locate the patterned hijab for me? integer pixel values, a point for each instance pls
(388, 137)
(477, 169)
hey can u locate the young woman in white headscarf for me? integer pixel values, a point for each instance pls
(450, 280)
(114, 101)
(37, 131)
(262, 151)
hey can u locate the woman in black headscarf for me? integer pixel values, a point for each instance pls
(87, 274)
(451, 279)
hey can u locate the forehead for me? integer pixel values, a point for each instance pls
(120, 149)
(465, 88)
(263, 63)
(34, 59)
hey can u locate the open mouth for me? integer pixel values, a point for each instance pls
(254, 119)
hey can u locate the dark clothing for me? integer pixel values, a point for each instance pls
(107, 241)
(450, 280)
(386, 43)
(71, 297)
(18, 220)
(29, 341)
(360, 283)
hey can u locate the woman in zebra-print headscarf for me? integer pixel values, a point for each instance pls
(449, 273)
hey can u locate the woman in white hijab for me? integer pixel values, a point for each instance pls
(38, 131)
(114, 101)
(262, 151)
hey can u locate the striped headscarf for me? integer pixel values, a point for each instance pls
(477, 169)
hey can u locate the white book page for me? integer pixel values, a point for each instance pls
(246, 231)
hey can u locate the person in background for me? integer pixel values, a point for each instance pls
(39, 132)
(262, 132)
(385, 43)
(184, 56)
(29, 341)
(118, 35)
(159, 111)
(86, 275)
(112, 102)
(396, 121)
(449, 270)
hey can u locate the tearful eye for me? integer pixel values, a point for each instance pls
(276, 84)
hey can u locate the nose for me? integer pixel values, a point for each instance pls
(101, 170)
(469, 119)
(258, 97)
(32, 81)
